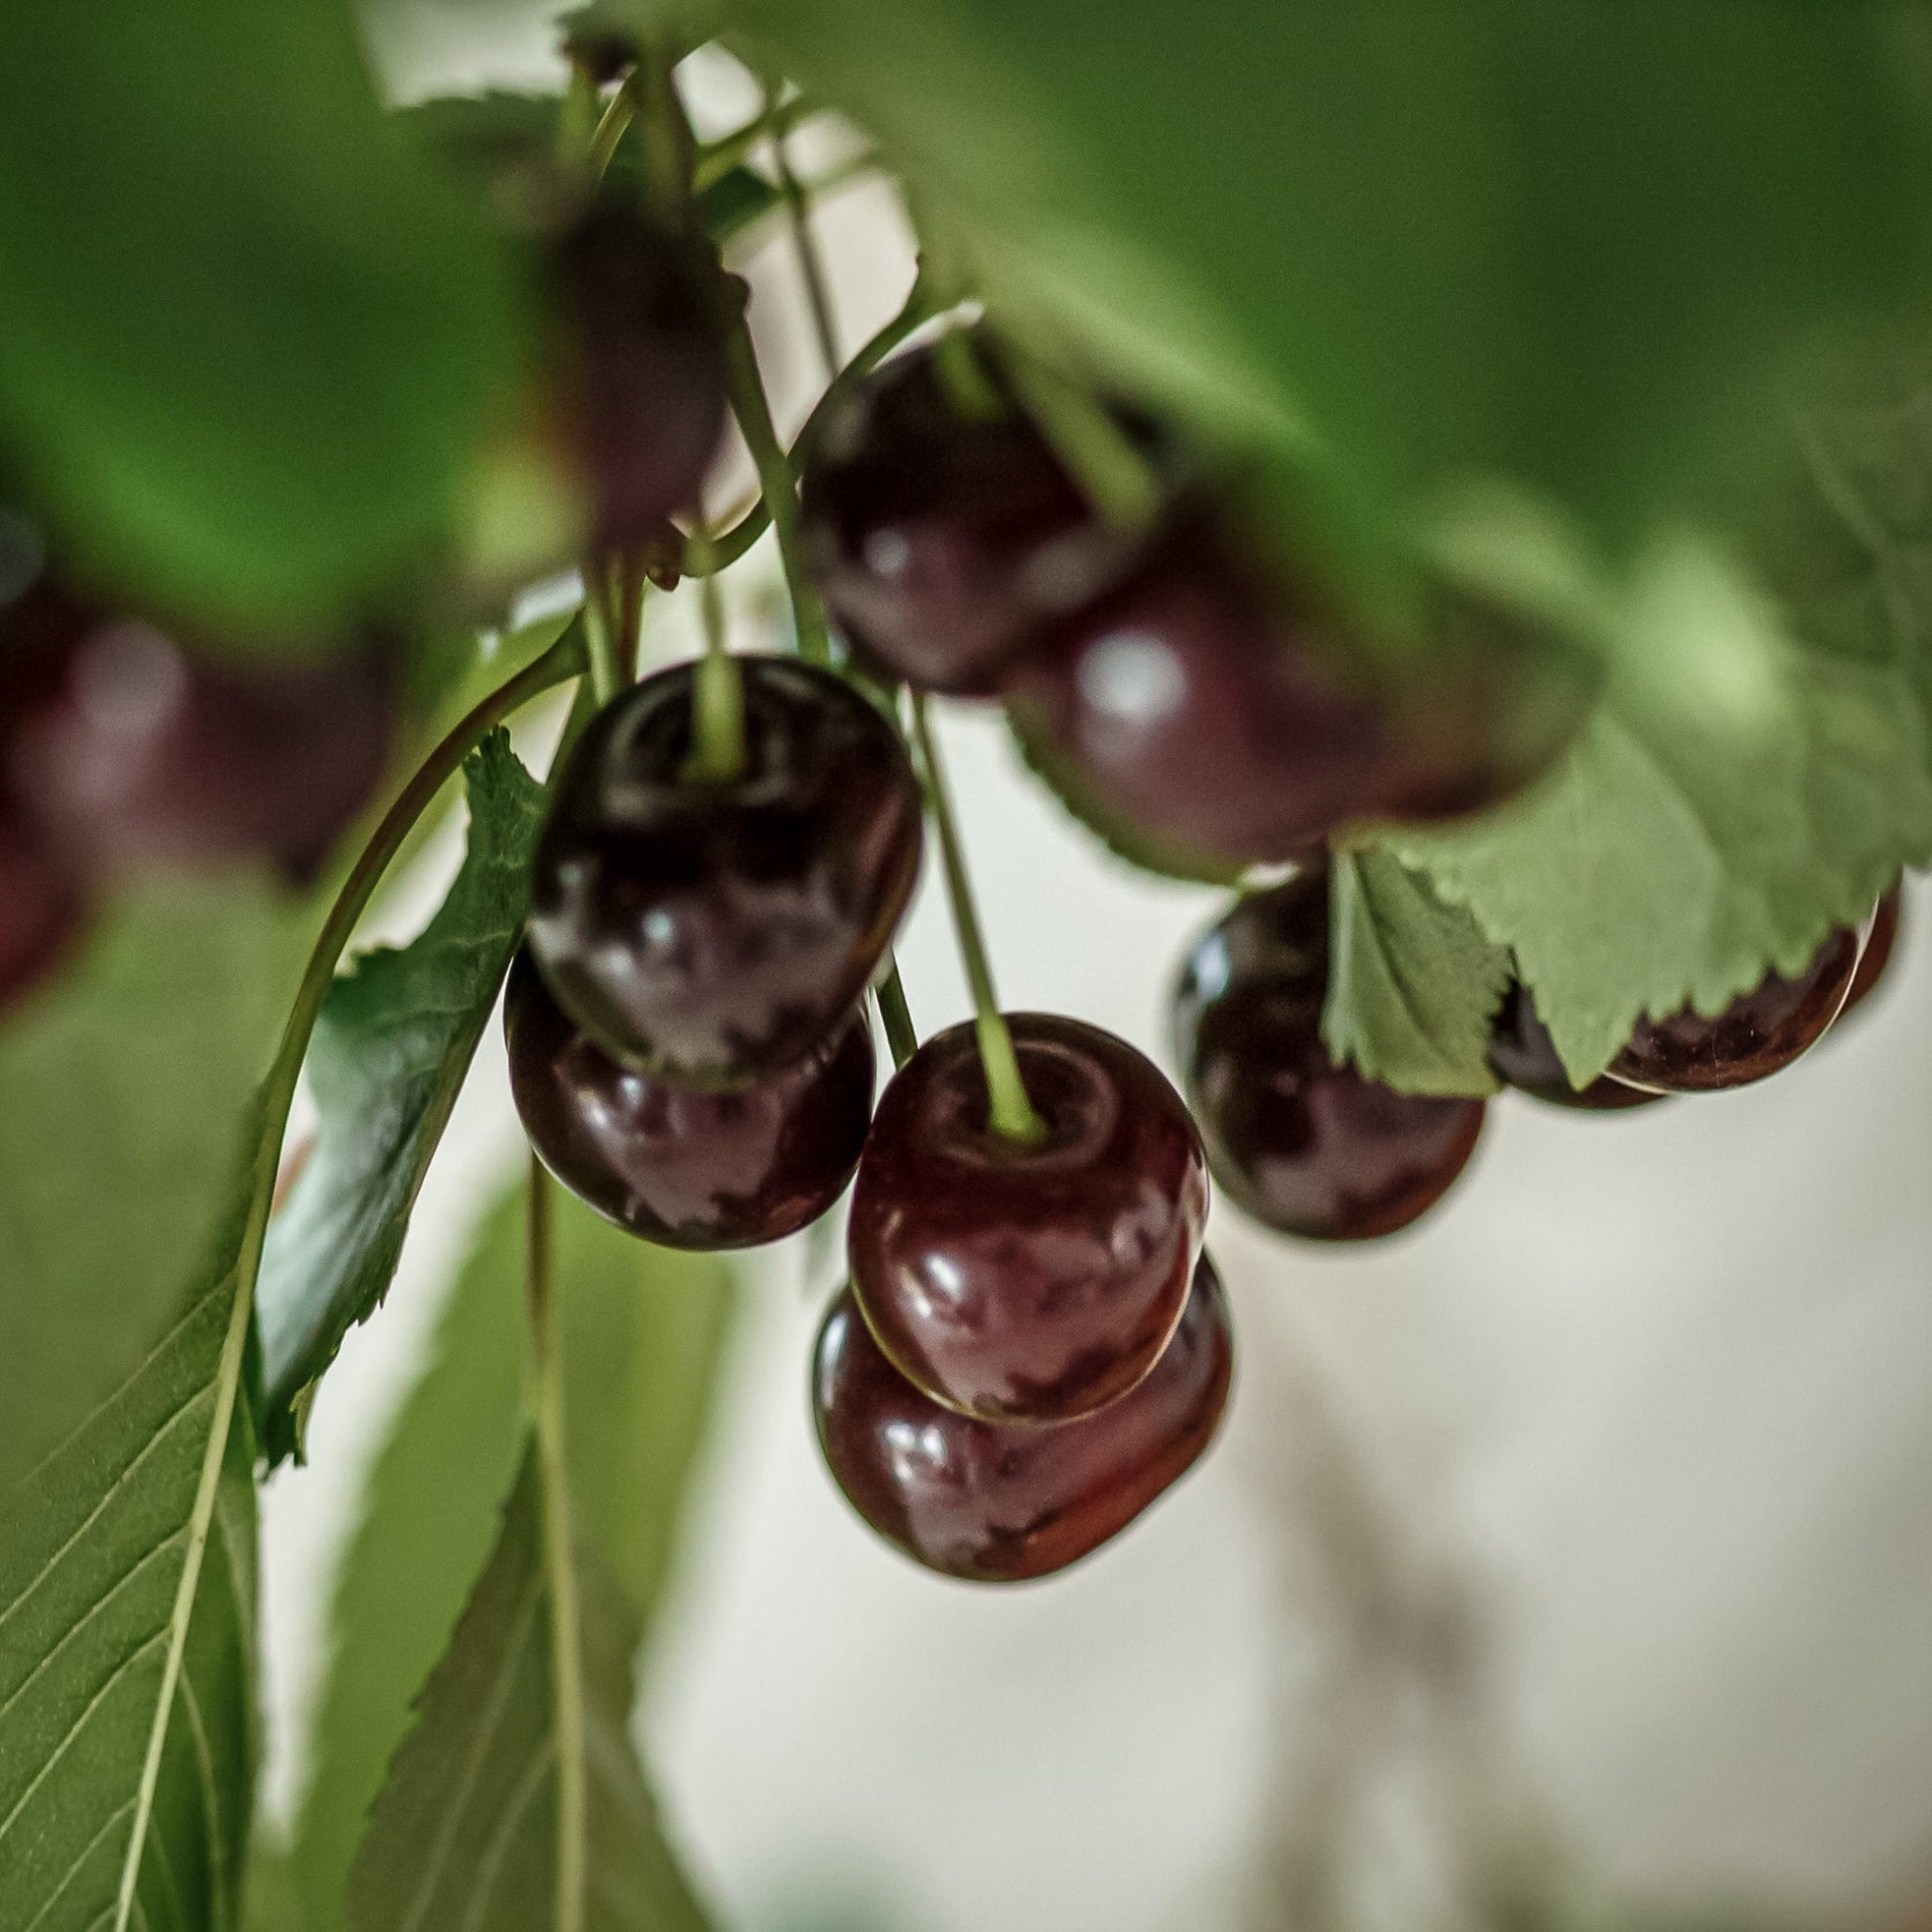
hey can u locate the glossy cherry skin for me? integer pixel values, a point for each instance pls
(681, 1168)
(1524, 1057)
(1028, 1282)
(130, 747)
(1879, 948)
(641, 405)
(940, 536)
(1002, 1502)
(1303, 1145)
(707, 933)
(1759, 1033)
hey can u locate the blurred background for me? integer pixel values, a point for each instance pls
(1573, 1548)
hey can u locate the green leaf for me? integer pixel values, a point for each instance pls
(251, 339)
(1761, 767)
(643, 1330)
(469, 1829)
(94, 1544)
(123, 1094)
(388, 1060)
(1568, 244)
(1413, 984)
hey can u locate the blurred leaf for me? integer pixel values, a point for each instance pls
(123, 1096)
(386, 1061)
(429, 1517)
(1761, 766)
(92, 1546)
(250, 340)
(468, 1830)
(1413, 984)
(643, 1330)
(1565, 243)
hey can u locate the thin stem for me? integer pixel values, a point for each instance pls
(559, 1558)
(811, 264)
(754, 413)
(577, 122)
(1011, 1113)
(889, 989)
(667, 138)
(563, 659)
(716, 693)
(600, 638)
(716, 159)
(609, 131)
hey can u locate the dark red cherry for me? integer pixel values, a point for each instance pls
(711, 932)
(680, 1168)
(1028, 1280)
(1524, 1057)
(1228, 709)
(1879, 948)
(1757, 1034)
(130, 749)
(1303, 1145)
(641, 395)
(941, 534)
(1001, 1502)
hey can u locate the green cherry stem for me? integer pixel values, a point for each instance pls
(1009, 1113)
(804, 243)
(1089, 441)
(609, 131)
(748, 400)
(559, 1552)
(894, 1012)
(716, 691)
(600, 634)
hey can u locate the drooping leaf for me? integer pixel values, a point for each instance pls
(123, 1094)
(1412, 982)
(1760, 769)
(1570, 244)
(643, 1332)
(388, 1060)
(250, 337)
(93, 1544)
(469, 1830)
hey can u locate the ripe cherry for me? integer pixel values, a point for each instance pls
(1001, 1502)
(941, 534)
(1305, 1146)
(683, 1169)
(710, 932)
(1757, 1034)
(641, 392)
(1879, 948)
(1219, 704)
(1524, 1057)
(129, 748)
(1028, 1280)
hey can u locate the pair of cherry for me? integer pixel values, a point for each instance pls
(120, 748)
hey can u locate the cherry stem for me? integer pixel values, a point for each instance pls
(559, 1552)
(667, 138)
(609, 131)
(727, 548)
(600, 635)
(718, 158)
(716, 691)
(749, 404)
(1009, 1113)
(1090, 442)
(811, 264)
(889, 989)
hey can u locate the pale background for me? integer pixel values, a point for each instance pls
(1595, 1512)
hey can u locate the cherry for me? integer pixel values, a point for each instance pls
(683, 1169)
(1002, 1502)
(710, 932)
(941, 536)
(1524, 1057)
(129, 748)
(1878, 946)
(1305, 1146)
(1757, 1034)
(641, 406)
(1210, 701)
(1028, 1280)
